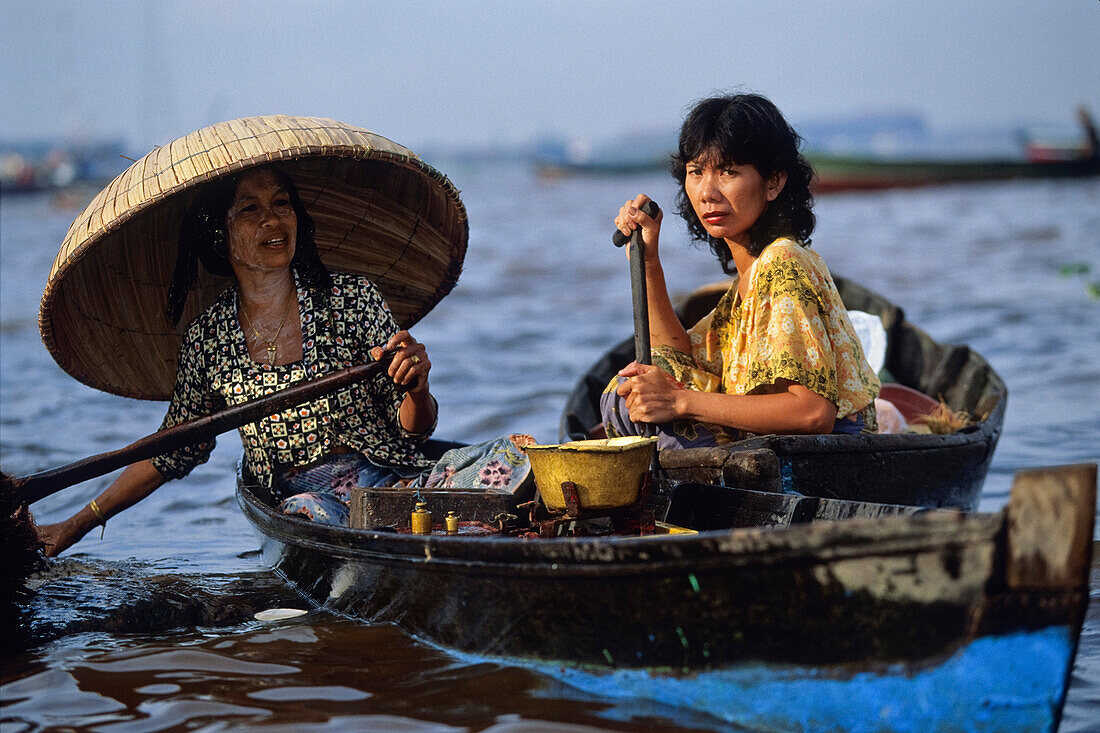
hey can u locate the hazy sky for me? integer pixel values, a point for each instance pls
(433, 72)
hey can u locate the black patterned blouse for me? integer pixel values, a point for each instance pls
(216, 370)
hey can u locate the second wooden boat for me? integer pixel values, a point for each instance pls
(921, 470)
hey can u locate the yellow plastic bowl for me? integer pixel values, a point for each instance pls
(608, 473)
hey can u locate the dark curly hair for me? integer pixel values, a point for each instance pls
(747, 129)
(204, 237)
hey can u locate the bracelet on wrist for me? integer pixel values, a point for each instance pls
(98, 515)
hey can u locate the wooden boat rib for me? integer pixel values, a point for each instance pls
(923, 470)
(773, 595)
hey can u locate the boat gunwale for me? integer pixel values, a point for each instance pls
(827, 541)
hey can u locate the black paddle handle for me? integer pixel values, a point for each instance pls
(649, 207)
(40, 485)
(638, 295)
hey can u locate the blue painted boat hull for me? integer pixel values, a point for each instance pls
(1013, 682)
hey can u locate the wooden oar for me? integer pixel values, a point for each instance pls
(639, 298)
(30, 489)
(638, 294)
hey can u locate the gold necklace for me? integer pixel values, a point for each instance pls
(272, 347)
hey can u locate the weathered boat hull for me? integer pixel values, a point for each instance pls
(922, 470)
(716, 618)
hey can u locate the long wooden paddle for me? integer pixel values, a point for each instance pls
(638, 294)
(40, 485)
(639, 297)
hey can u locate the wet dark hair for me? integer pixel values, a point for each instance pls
(204, 237)
(747, 129)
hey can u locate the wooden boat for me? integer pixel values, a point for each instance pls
(777, 612)
(1039, 160)
(843, 173)
(836, 173)
(851, 172)
(922, 470)
(554, 169)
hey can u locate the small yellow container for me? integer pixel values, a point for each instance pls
(421, 519)
(608, 473)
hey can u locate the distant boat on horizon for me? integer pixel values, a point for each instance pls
(59, 166)
(864, 171)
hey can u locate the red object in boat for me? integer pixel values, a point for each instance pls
(911, 403)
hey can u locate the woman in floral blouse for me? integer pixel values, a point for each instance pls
(778, 354)
(286, 319)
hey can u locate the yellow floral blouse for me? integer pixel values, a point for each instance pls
(792, 325)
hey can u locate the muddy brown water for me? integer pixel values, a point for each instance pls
(151, 627)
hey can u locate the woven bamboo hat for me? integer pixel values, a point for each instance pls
(379, 211)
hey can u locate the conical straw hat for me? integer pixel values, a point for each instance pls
(378, 210)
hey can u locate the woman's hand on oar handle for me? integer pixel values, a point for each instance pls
(642, 212)
(650, 393)
(410, 364)
(409, 370)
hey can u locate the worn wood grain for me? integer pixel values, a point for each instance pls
(1050, 523)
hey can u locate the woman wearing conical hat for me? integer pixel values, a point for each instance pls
(286, 318)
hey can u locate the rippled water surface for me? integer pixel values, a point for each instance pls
(1006, 268)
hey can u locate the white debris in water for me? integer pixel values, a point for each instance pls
(279, 614)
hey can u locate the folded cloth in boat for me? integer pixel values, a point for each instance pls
(321, 493)
(498, 466)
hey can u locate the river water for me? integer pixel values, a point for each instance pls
(1012, 269)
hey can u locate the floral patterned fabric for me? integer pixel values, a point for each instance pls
(322, 493)
(216, 370)
(499, 466)
(792, 325)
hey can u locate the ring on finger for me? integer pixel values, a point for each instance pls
(415, 359)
